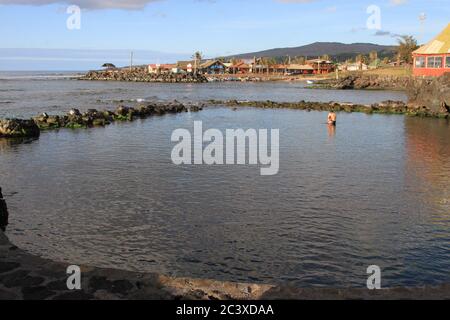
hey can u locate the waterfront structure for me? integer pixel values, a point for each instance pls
(212, 67)
(240, 68)
(433, 59)
(321, 66)
(295, 69)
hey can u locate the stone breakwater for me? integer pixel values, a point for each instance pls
(29, 277)
(142, 75)
(15, 128)
(386, 107)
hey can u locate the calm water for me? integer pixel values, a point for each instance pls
(28, 94)
(373, 191)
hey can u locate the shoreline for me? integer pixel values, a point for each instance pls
(29, 277)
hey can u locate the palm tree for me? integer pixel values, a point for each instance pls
(270, 63)
(198, 56)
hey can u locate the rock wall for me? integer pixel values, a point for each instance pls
(142, 75)
(433, 94)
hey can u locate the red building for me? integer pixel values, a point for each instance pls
(433, 59)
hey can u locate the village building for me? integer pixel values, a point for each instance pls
(212, 67)
(433, 59)
(160, 68)
(356, 66)
(278, 68)
(296, 69)
(240, 68)
(185, 66)
(321, 66)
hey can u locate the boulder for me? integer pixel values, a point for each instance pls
(18, 128)
(74, 112)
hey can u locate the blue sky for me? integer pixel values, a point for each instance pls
(171, 29)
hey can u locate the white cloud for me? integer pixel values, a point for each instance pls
(86, 4)
(398, 2)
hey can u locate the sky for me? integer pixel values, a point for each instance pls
(168, 30)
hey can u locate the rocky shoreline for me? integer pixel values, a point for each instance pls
(26, 276)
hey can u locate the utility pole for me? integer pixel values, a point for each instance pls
(131, 60)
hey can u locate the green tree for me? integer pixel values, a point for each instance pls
(406, 46)
(373, 56)
(361, 58)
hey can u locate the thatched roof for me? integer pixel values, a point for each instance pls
(108, 65)
(439, 45)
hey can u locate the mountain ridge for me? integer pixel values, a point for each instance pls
(336, 50)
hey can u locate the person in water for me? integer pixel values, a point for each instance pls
(332, 118)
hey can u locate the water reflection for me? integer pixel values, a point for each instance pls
(8, 143)
(428, 154)
(331, 130)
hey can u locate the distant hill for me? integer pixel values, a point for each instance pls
(338, 51)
